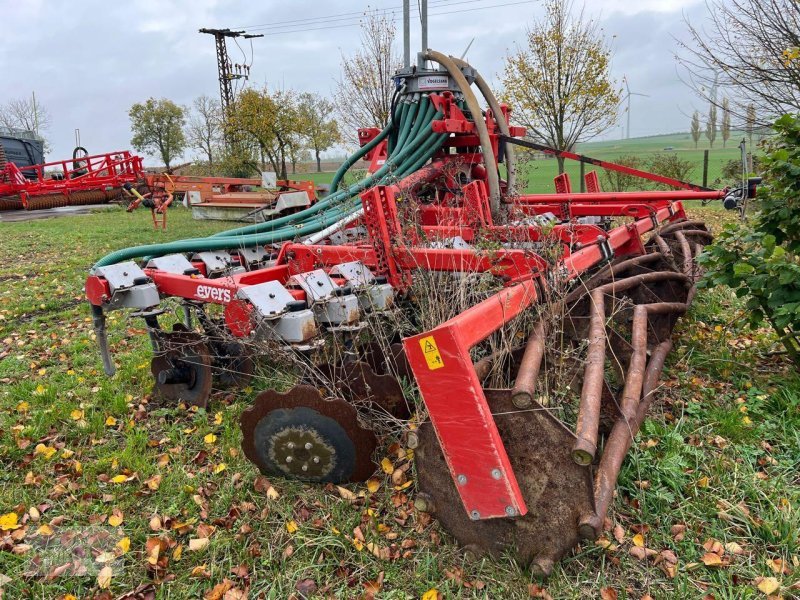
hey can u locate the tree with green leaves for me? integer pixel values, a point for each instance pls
(760, 258)
(725, 126)
(711, 125)
(559, 82)
(695, 130)
(320, 128)
(157, 127)
(271, 120)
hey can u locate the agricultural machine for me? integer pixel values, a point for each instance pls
(514, 341)
(83, 180)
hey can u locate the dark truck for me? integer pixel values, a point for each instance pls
(23, 148)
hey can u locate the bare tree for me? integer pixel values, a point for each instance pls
(559, 83)
(753, 46)
(24, 114)
(696, 128)
(363, 94)
(204, 129)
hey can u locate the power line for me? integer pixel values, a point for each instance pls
(349, 15)
(358, 22)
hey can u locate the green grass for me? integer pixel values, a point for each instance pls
(538, 175)
(718, 455)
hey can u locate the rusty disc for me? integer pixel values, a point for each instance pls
(301, 435)
(234, 365)
(557, 491)
(182, 368)
(359, 383)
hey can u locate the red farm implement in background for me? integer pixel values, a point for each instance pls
(534, 326)
(82, 180)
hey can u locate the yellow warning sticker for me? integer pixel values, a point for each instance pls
(431, 352)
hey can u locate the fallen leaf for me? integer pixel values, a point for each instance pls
(638, 540)
(104, 577)
(431, 594)
(210, 438)
(291, 526)
(197, 544)
(387, 466)
(306, 587)
(111, 422)
(373, 483)
(767, 585)
(9, 521)
(124, 545)
(608, 593)
(115, 520)
(711, 559)
(346, 494)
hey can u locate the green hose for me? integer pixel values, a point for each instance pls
(354, 158)
(416, 150)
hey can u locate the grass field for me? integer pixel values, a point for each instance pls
(538, 175)
(162, 495)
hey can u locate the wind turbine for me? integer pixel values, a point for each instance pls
(627, 98)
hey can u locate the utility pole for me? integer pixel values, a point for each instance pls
(226, 73)
(406, 33)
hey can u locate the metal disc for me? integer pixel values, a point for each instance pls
(556, 490)
(234, 365)
(182, 368)
(301, 435)
(359, 383)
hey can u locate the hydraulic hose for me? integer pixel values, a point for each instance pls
(488, 95)
(356, 156)
(417, 148)
(483, 131)
(332, 198)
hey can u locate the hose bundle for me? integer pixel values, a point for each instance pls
(414, 143)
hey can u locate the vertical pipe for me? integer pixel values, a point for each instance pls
(423, 15)
(406, 33)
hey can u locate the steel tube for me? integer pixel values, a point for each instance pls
(686, 250)
(588, 423)
(525, 384)
(681, 225)
(610, 272)
(621, 197)
(586, 429)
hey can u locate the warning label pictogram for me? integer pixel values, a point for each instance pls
(431, 352)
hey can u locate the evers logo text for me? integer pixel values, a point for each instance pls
(206, 292)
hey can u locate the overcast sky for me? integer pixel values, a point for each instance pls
(88, 61)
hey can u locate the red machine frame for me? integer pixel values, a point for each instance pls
(440, 358)
(85, 173)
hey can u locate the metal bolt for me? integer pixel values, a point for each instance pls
(474, 515)
(462, 479)
(511, 511)
(497, 473)
(308, 446)
(288, 459)
(316, 460)
(290, 445)
(305, 467)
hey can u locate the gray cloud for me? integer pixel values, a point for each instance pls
(89, 61)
